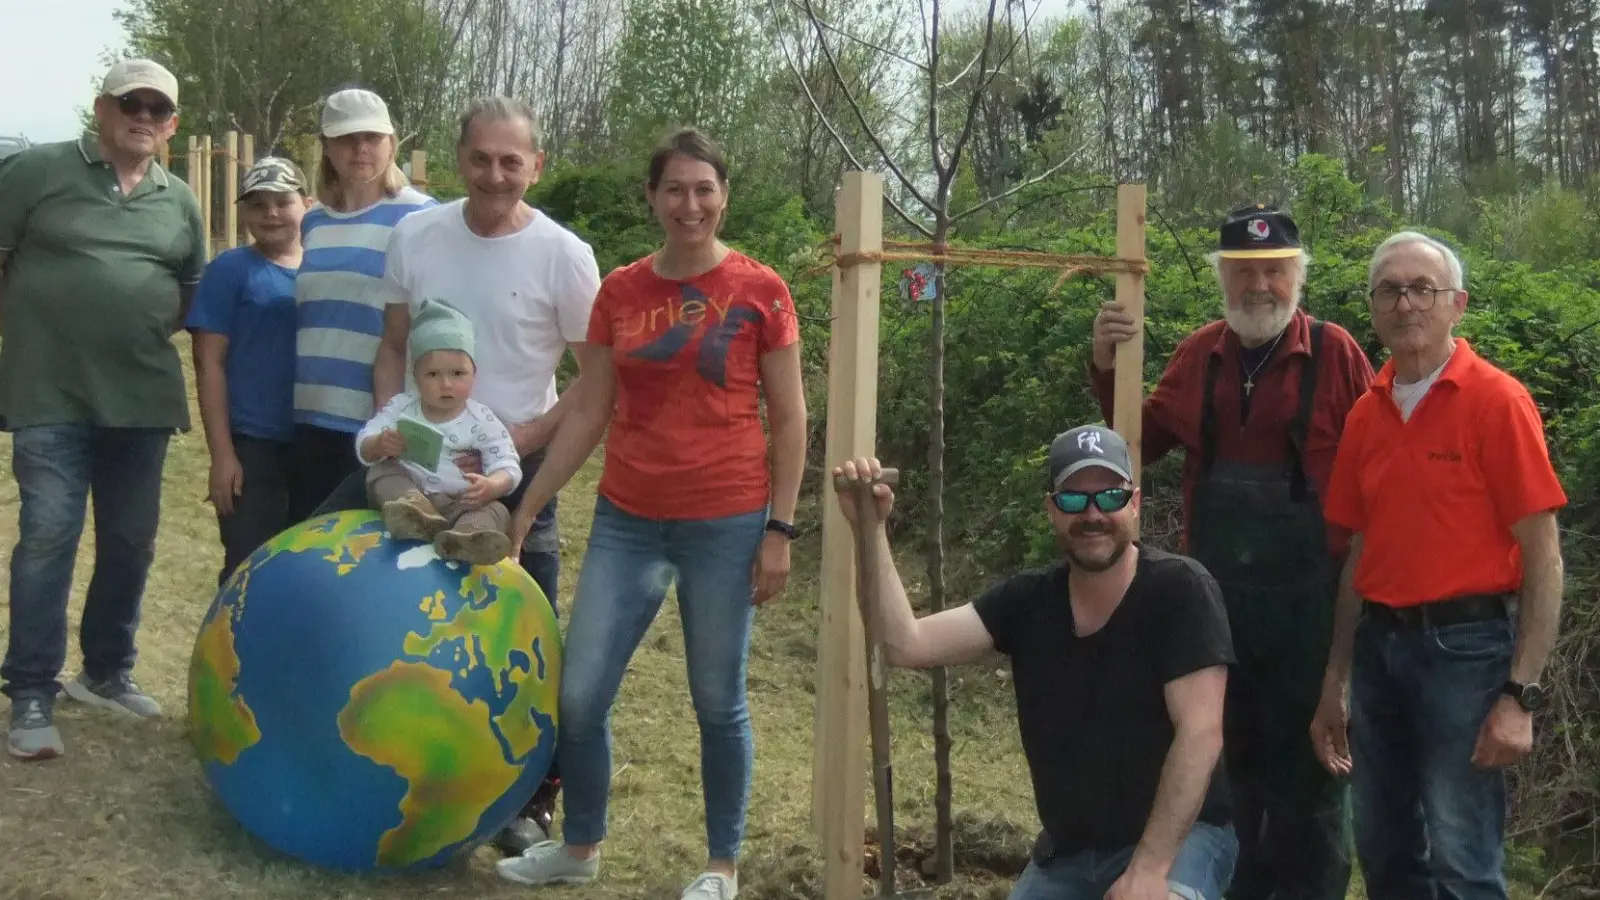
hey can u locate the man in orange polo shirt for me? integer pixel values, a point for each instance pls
(1258, 399)
(1451, 593)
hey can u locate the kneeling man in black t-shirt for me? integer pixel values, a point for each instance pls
(1119, 655)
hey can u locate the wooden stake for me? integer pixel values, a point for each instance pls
(1127, 408)
(230, 189)
(247, 158)
(313, 168)
(191, 172)
(839, 738)
(207, 170)
(419, 169)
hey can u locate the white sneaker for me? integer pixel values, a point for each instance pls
(711, 886)
(548, 862)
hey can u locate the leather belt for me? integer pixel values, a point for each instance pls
(1450, 611)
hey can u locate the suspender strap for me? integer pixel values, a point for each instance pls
(1301, 426)
(1208, 418)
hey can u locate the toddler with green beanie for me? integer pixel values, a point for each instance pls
(410, 447)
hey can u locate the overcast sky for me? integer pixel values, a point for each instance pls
(50, 56)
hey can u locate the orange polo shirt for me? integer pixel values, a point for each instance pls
(1435, 498)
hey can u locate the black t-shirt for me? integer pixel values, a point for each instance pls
(1093, 715)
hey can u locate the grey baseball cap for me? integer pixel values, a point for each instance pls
(272, 173)
(1085, 446)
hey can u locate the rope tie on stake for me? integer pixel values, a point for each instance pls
(1068, 264)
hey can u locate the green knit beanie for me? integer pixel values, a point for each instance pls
(439, 326)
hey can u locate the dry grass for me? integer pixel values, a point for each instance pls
(126, 814)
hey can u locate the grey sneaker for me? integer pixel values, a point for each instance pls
(548, 862)
(711, 886)
(118, 693)
(33, 735)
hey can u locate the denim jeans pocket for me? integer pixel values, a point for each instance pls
(1474, 640)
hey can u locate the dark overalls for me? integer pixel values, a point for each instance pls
(1259, 530)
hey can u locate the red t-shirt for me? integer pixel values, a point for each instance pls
(686, 438)
(1435, 497)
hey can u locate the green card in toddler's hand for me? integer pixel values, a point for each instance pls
(424, 443)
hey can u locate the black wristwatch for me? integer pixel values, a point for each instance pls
(1529, 696)
(781, 527)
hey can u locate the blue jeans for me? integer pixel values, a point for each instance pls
(626, 571)
(1427, 823)
(58, 468)
(1202, 870)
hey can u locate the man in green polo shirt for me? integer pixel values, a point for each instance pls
(100, 249)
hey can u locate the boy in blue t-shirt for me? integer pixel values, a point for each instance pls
(243, 326)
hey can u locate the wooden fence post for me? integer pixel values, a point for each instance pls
(419, 169)
(313, 168)
(207, 171)
(1127, 408)
(230, 190)
(191, 172)
(840, 733)
(247, 158)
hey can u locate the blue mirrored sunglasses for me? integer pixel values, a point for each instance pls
(1108, 500)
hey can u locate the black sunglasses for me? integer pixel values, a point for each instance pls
(1108, 500)
(130, 105)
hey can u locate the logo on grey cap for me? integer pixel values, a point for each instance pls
(1088, 445)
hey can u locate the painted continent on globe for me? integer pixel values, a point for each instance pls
(450, 689)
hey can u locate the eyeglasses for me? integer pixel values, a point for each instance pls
(1385, 297)
(131, 106)
(1108, 500)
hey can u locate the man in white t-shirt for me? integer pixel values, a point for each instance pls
(527, 285)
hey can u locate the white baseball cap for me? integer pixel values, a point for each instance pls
(354, 110)
(133, 74)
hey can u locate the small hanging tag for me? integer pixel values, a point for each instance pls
(917, 284)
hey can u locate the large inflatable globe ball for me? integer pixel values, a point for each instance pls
(359, 703)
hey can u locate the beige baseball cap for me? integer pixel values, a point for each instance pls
(353, 110)
(133, 74)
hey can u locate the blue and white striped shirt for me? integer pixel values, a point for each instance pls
(340, 294)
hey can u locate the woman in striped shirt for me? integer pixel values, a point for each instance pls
(340, 293)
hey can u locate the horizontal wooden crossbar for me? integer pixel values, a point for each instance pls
(1069, 264)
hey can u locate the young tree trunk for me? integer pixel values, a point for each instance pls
(944, 826)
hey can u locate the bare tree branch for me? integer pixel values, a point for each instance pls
(863, 42)
(1019, 187)
(978, 91)
(838, 138)
(963, 73)
(861, 115)
(933, 96)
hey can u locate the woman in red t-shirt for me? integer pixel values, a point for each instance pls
(681, 346)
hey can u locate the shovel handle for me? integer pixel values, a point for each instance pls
(890, 477)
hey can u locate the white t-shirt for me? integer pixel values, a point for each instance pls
(1407, 396)
(476, 428)
(527, 295)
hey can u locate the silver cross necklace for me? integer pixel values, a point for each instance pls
(1249, 378)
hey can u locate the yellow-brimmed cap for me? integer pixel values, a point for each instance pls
(1258, 232)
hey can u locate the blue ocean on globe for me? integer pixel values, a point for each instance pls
(358, 703)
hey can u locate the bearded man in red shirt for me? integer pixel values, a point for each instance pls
(1258, 401)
